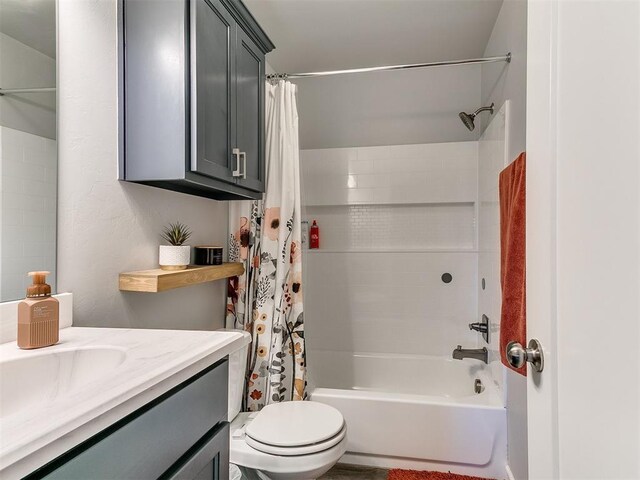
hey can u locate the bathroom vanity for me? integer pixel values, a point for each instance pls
(192, 91)
(118, 403)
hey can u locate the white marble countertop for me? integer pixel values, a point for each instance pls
(151, 363)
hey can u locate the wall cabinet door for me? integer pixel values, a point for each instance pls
(250, 105)
(193, 95)
(213, 89)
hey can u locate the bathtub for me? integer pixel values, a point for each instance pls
(410, 411)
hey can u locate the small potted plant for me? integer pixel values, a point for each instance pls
(176, 255)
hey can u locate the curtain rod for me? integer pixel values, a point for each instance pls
(9, 91)
(470, 61)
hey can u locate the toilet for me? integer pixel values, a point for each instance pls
(283, 441)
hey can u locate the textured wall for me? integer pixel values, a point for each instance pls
(106, 226)
(24, 67)
(387, 108)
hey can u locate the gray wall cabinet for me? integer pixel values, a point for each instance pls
(181, 435)
(193, 96)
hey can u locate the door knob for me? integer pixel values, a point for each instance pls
(517, 355)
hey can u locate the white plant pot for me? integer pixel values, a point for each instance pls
(174, 258)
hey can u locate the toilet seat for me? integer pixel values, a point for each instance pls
(277, 466)
(295, 451)
(295, 428)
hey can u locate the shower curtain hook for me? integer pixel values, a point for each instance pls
(274, 78)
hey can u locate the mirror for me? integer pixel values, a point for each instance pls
(28, 147)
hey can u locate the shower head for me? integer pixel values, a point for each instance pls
(468, 118)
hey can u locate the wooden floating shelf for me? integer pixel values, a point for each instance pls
(157, 280)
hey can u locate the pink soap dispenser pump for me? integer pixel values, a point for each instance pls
(38, 315)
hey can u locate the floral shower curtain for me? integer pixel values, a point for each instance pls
(265, 235)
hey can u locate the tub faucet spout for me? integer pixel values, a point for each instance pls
(481, 354)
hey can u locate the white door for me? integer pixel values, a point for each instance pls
(583, 238)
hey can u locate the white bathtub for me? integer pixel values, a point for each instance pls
(414, 411)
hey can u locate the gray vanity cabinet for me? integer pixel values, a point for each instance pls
(182, 434)
(193, 97)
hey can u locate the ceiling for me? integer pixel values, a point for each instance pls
(313, 35)
(32, 22)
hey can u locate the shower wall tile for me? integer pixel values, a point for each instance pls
(401, 196)
(428, 173)
(492, 160)
(392, 220)
(389, 303)
(400, 226)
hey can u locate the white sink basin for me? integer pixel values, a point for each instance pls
(28, 382)
(54, 398)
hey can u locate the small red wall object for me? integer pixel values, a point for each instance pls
(314, 236)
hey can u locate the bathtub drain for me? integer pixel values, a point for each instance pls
(477, 386)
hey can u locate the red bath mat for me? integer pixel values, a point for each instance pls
(397, 474)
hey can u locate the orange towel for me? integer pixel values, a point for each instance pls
(513, 322)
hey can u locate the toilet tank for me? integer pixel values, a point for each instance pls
(237, 372)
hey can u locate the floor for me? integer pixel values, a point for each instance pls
(354, 472)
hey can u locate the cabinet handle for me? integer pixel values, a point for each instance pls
(236, 153)
(243, 156)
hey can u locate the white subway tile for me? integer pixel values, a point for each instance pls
(378, 297)
(360, 195)
(381, 312)
(21, 170)
(12, 216)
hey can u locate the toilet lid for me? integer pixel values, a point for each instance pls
(295, 424)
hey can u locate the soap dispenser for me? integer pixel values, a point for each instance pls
(38, 315)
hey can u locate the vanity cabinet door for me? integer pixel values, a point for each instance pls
(250, 105)
(152, 439)
(207, 460)
(213, 90)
